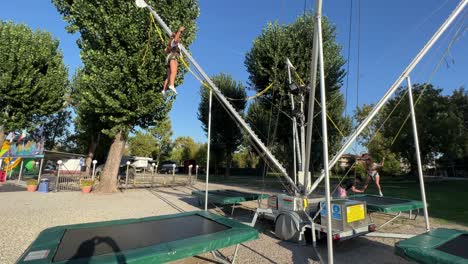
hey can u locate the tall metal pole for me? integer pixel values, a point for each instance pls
(392, 89)
(208, 151)
(323, 100)
(294, 124)
(21, 170)
(303, 138)
(40, 170)
(418, 153)
(311, 105)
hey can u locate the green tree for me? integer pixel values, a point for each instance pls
(57, 129)
(455, 144)
(142, 144)
(431, 115)
(33, 77)
(225, 134)
(266, 64)
(122, 70)
(162, 132)
(184, 148)
(371, 137)
(200, 156)
(245, 158)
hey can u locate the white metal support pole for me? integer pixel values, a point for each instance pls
(418, 153)
(392, 89)
(21, 170)
(303, 138)
(208, 150)
(173, 173)
(57, 181)
(294, 142)
(294, 125)
(323, 101)
(153, 165)
(126, 175)
(40, 170)
(190, 174)
(94, 170)
(311, 105)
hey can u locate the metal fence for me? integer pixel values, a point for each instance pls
(67, 179)
(154, 179)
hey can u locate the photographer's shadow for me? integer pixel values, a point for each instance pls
(87, 250)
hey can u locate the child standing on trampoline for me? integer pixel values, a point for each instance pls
(173, 53)
(372, 173)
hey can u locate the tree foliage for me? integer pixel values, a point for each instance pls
(142, 144)
(57, 130)
(431, 131)
(33, 77)
(225, 134)
(162, 132)
(123, 70)
(184, 148)
(441, 122)
(266, 64)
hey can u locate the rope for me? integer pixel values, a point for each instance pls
(358, 53)
(328, 116)
(253, 96)
(436, 68)
(147, 46)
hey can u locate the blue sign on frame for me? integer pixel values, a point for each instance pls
(336, 210)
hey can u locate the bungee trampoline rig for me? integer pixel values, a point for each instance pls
(160, 239)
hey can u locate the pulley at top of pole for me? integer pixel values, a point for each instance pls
(141, 3)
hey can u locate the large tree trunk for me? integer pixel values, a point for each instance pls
(93, 142)
(2, 137)
(108, 183)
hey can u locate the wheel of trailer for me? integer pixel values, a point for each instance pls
(287, 226)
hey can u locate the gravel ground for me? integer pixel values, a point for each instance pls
(25, 214)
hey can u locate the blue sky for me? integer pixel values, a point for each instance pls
(392, 32)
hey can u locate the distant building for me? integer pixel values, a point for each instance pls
(346, 161)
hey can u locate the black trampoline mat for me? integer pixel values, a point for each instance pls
(380, 200)
(457, 246)
(95, 241)
(232, 193)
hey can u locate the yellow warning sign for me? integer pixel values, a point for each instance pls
(355, 213)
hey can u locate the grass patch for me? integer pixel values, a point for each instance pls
(447, 199)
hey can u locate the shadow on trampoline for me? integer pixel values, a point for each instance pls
(87, 250)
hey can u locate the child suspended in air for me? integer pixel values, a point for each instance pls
(173, 53)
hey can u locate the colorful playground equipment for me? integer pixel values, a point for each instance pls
(19, 152)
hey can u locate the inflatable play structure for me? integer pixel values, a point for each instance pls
(19, 152)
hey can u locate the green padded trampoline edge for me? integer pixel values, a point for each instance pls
(394, 208)
(238, 233)
(422, 248)
(217, 198)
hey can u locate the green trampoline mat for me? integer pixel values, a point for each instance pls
(158, 239)
(442, 246)
(228, 197)
(387, 204)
